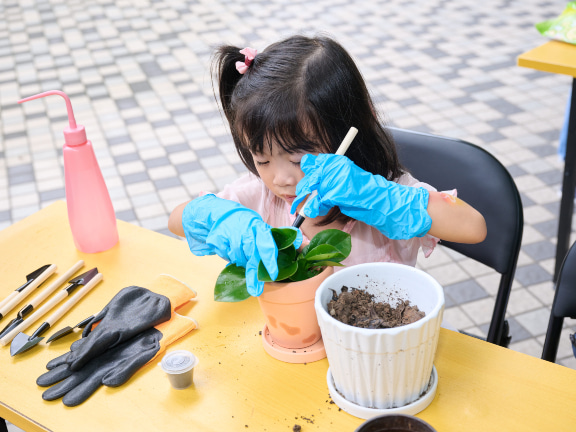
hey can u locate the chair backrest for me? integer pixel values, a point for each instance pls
(484, 183)
(563, 306)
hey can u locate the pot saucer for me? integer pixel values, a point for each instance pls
(309, 354)
(365, 413)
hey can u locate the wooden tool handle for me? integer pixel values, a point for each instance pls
(26, 291)
(7, 338)
(347, 141)
(7, 299)
(75, 299)
(61, 280)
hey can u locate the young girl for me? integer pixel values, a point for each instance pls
(289, 108)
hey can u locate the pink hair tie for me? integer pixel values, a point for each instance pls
(249, 54)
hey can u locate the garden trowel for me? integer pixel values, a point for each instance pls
(22, 342)
(26, 310)
(33, 281)
(67, 330)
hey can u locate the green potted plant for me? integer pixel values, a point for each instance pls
(291, 333)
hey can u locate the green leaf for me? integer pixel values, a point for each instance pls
(324, 252)
(263, 274)
(339, 239)
(286, 255)
(231, 285)
(327, 264)
(303, 272)
(283, 274)
(286, 265)
(284, 237)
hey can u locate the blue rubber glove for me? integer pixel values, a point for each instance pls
(218, 226)
(397, 211)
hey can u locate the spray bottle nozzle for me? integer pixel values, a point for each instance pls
(74, 134)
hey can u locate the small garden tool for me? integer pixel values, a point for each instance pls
(83, 279)
(33, 281)
(40, 298)
(67, 330)
(23, 342)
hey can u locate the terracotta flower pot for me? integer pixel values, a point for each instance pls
(291, 322)
(382, 371)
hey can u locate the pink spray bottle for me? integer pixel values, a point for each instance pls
(90, 212)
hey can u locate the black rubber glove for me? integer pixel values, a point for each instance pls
(112, 368)
(131, 311)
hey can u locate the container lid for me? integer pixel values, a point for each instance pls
(177, 362)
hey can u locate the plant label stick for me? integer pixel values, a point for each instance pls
(341, 151)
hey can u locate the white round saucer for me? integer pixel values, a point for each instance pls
(365, 413)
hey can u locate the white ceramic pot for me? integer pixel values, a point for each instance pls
(382, 368)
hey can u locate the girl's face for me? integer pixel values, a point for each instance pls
(280, 171)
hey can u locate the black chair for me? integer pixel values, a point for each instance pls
(484, 183)
(563, 306)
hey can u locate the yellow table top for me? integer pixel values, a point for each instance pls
(553, 56)
(237, 385)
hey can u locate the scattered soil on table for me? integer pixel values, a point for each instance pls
(357, 307)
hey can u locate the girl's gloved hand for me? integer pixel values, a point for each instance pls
(218, 226)
(397, 211)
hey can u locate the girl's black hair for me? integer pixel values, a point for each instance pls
(303, 94)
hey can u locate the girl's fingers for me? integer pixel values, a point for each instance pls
(297, 202)
(255, 287)
(312, 208)
(298, 242)
(266, 251)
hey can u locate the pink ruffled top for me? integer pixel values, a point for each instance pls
(368, 244)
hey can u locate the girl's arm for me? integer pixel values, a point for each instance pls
(454, 220)
(398, 211)
(175, 220)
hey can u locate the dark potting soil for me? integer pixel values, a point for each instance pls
(357, 307)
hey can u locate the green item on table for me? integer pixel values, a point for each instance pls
(563, 27)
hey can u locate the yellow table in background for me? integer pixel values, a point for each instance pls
(560, 58)
(238, 387)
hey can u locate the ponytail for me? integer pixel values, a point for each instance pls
(224, 69)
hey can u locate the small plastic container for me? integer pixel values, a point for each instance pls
(179, 366)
